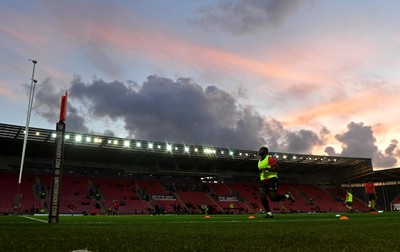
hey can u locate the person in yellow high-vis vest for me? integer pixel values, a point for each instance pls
(268, 168)
(349, 200)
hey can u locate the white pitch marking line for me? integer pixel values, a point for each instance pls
(34, 219)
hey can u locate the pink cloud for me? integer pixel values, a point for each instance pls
(349, 108)
(8, 93)
(164, 47)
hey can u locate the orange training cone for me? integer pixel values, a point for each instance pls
(251, 217)
(207, 217)
(343, 218)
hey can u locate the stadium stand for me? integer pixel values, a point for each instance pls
(196, 201)
(220, 189)
(9, 189)
(110, 191)
(151, 187)
(317, 199)
(74, 194)
(87, 194)
(96, 173)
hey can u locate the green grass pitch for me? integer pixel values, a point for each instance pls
(285, 232)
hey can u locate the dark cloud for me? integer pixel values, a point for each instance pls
(241, 16)
(388, 158)
(331, 151)
(301, 141)
(359, 141)
(176, 111)
(47, 100)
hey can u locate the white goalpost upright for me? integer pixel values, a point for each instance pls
(28, 118)
(18, 196)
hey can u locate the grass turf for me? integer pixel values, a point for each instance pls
(297, 232)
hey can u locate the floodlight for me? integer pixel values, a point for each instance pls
(53, 135)
(169, 147)
(37, 133)
(150, 145)
(231, 153)
(115, 142)
(186, 149)
(138, 144)
(67, 137)
(78, 138)
(127, 143)
(88, 139)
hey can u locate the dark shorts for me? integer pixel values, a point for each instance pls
(349, 203)
(271, 184)
(371, 196)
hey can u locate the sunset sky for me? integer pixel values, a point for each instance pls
(301, 76)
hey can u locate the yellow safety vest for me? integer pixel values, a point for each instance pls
(349, 197)
(266, 174)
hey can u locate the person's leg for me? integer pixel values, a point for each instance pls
(264, 201)
(273, 192)
(349, 206)
(274, 196)
(370, 203)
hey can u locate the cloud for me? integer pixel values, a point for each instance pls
(245, 16)
(331, 151)
(301, 141)
(47, 100)
(182, 111)
(177, 111)
(388, 158)
(359, 141)
(7, 93)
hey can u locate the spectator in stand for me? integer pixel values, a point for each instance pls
(268, 168)
(371, 195)
(349, 200)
